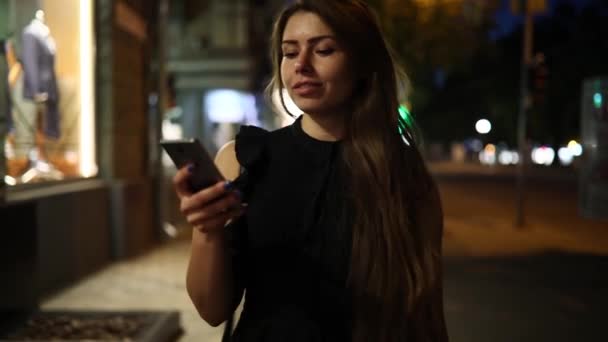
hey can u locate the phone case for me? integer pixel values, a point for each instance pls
(191, 151)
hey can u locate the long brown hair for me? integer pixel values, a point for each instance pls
(393, 260)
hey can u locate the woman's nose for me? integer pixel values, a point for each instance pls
(302, 63)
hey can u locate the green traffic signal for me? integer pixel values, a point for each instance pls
(597, 100)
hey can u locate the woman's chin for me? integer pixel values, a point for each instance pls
(312, 108)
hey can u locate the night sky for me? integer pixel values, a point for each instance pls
(506, 21)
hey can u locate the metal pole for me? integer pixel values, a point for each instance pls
(161, 105)
(522, 117)
(4, 113)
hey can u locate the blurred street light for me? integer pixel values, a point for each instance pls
(507, 157)
(575, 148)
(565, 156)
(483, 126)
(543, 155)
(488, 155)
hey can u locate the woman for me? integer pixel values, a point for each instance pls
(340, 236)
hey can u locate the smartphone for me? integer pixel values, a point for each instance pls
(190, 151)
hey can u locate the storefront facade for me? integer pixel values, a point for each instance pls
(76, 126)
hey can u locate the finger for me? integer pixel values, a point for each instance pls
(220, 206)
(203, 197)
(180, 182)
(219, 221)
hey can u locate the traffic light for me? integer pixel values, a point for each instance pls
(533, 6)
(538, 75)
(601, 107)
(597, 100)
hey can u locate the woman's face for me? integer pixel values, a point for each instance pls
(314, 68)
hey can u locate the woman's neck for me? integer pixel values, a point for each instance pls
(325, 128)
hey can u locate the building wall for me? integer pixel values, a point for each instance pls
(129, 107)
(197, 30)
(125, 128)
(73, 235)
(18, 259)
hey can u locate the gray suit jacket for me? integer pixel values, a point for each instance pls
(38, 60)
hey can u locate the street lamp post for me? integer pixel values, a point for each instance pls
(522, 116)
(528, 8)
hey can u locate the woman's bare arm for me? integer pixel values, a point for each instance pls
(209, 279)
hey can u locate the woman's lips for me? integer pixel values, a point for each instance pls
(306, 88)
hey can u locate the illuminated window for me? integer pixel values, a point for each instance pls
(51, 86)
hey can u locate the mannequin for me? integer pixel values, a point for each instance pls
(40, 88)
(39, 60)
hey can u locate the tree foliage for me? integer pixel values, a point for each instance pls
(459, 74)
(435, 41)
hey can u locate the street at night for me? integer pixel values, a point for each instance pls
(552, 296)
(316, 116)
(546, 281)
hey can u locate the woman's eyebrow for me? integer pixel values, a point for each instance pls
(310, 41)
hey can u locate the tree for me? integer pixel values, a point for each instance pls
(575, 48)
(481, 75)
(435, 40)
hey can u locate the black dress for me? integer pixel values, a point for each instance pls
(291, 250)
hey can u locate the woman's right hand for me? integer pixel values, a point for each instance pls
(209, 209)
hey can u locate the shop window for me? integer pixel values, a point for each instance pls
(49, 55)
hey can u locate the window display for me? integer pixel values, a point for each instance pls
(49, 58)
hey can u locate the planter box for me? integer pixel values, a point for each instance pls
(139, 326)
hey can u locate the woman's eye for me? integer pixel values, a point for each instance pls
(325, 52)
(290, 54)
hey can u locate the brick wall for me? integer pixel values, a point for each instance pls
(124, 127)
(129, 109)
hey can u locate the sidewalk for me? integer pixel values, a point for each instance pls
(155, 281)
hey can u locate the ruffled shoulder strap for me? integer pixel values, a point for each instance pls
(250, 146)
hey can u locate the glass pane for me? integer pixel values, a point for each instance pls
(50, 62)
